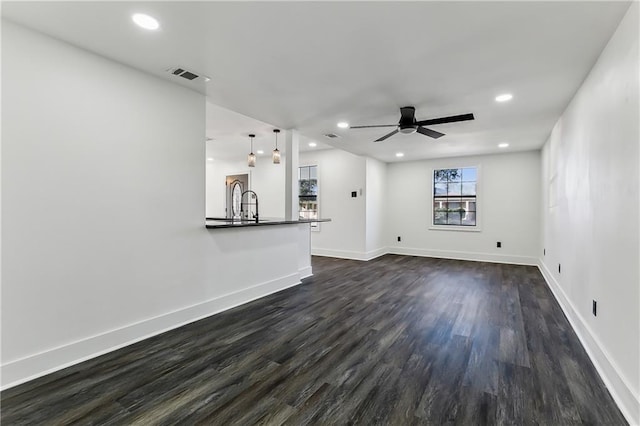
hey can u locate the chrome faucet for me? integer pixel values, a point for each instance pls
(255, 216)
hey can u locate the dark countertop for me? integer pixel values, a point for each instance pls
(221, 222)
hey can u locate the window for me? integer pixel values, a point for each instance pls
(308, 194)
(454, 196)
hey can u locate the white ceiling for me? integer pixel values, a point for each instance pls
(227, 136)
(308, 65)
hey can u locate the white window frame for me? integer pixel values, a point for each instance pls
(479, 201)
(314, 226)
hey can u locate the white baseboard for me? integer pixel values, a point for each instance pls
(617, 384)
(28, 368)
(463, 255)
(372, 254)
(443, 254)
(305, 272)
(346, 254)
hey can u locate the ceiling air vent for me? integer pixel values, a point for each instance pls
(181, 72)
(331, 135)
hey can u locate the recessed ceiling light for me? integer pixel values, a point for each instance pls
(504, 97)
(399, 154)
(313, 144)
(210, 158)
(343, 124)
(503, 145)
(260, 151)
(145, 21)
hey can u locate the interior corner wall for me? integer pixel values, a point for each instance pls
(508, 209)
(590, 214)
(103, 202)
(375, 197)
(339, 174)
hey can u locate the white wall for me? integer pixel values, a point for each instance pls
(266, 179)
(103, 186)
(508, 204)
(590, 212)
(216, 172)
(375, 196)
(394, 195)
(339, 173)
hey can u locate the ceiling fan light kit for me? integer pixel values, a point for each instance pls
(407, 130)
(408, 124)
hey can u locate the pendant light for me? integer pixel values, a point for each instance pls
(251, 160)
(276, 153)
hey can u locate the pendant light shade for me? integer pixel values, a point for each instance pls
(276, 152)
(251, 159)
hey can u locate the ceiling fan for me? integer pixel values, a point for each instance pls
(408, 124)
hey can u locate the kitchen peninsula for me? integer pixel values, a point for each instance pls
(219, 222)
(260, 257)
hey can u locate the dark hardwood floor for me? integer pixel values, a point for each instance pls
(398, 340)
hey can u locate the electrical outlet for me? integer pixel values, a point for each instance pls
(594, 308)
(559, 268)
(399, 239)
(354, 194)
(499, 244)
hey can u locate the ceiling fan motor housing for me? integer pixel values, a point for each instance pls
(407, 123)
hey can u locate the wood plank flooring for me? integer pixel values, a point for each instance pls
(398, 340)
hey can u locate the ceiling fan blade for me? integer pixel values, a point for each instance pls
(429, 132)
(442, 120)
(388, 135)
(375, 125)
(407, 114)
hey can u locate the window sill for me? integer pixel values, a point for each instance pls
(455, 228)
